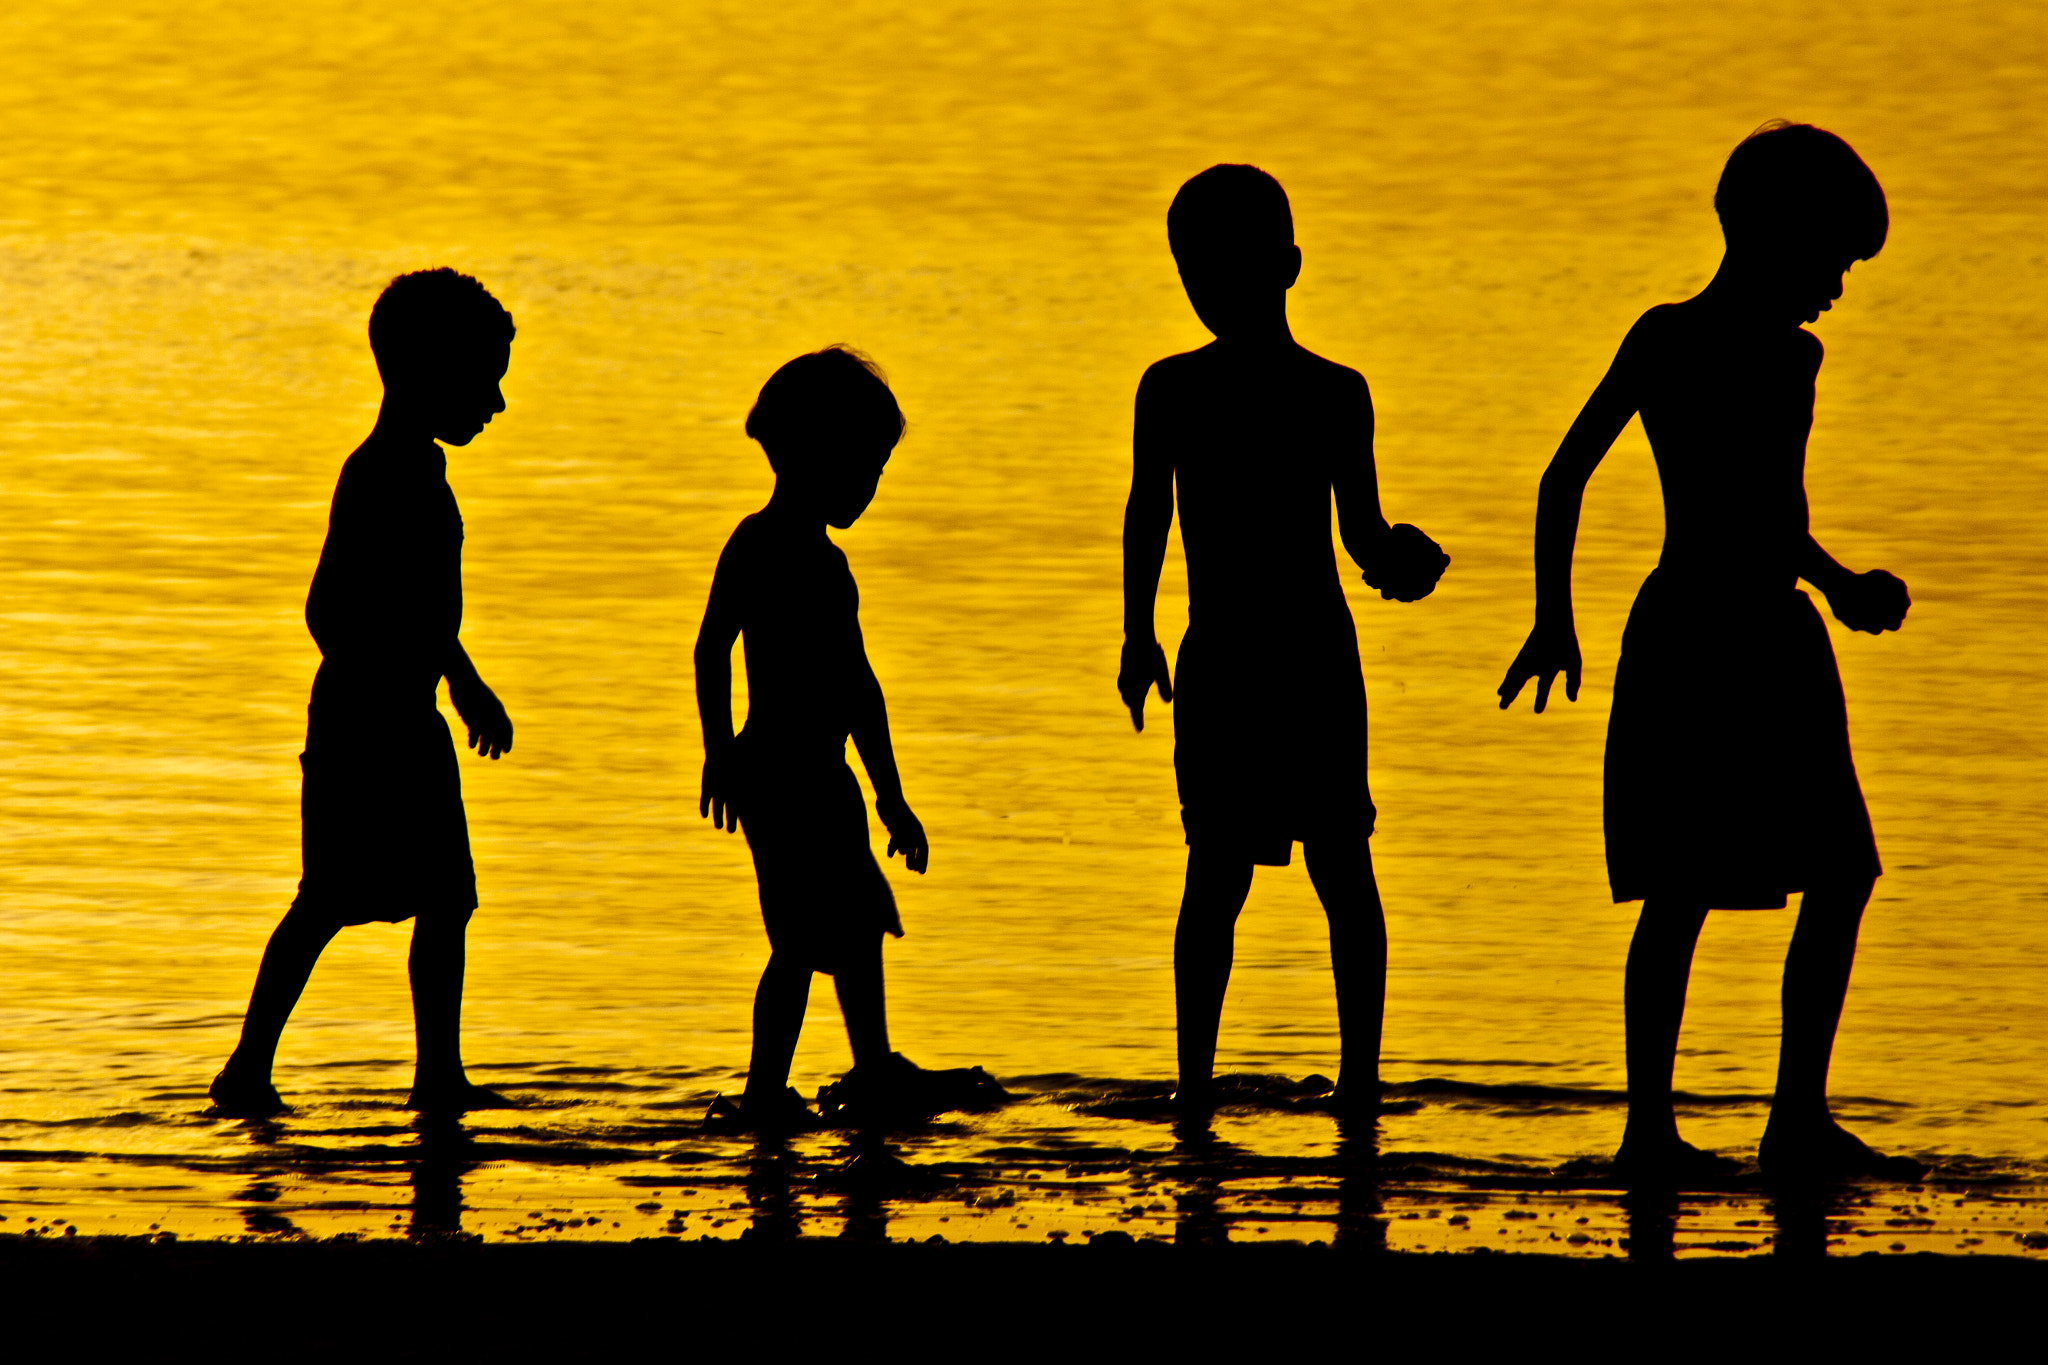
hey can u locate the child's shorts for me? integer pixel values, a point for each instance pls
(383, 831)
(823, 897)
(1269, 744)
(1729, 779)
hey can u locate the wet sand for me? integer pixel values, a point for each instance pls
(1067, 1161)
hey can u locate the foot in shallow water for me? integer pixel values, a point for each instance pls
(245, 1097)
(772, 1114)
(1826, 1151)
(459, 1098)
(1350, 1100)
(1674, 1163)
(902, 1091)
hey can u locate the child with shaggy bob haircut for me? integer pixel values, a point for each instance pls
(1729, 781)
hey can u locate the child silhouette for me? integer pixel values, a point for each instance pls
(1254, 434)
(384, 834)
(1729, 781)
(827, 422)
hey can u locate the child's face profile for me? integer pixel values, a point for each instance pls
(1233, 288)
(1805, 282)
(849, 484)
(461, 395)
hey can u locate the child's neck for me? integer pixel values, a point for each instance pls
(1265, 332)
(1743, 290)
(402, 423)
(790, 508)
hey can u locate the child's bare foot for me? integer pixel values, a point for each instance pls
(1345, 1099)
(456, 1097)
(237, 1096)
(1673, 1162)
(901, 1090)
(767, 1114)
(1824, 1151)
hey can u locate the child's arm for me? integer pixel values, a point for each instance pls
(1553, 644)
(714, 693)
(490, 729)
(1148, 517)
(1874, 602)
(1402, 562)
(878, 756)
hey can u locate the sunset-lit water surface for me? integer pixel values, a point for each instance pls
(199, 204)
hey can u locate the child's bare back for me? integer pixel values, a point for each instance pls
(1258, 443)
(1254, 436)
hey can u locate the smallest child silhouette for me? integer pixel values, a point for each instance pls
(827, 422)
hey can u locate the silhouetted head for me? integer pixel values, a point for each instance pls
(442, 345)
(1232, 235)
(827, 422)
(1798, 208)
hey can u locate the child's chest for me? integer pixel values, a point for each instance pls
(803, 600)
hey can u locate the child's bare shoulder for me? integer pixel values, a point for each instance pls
(1683, 333)
(1663, 324)
(749, 543)
(1178, 374)
(1339, 382)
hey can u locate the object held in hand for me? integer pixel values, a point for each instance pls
(1874, 602)
(1409, 565)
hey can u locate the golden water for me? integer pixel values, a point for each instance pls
(199, 202)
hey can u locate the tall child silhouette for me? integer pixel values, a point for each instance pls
(1254, 435)
(827, 422)
(384, 833)
(1729, 781)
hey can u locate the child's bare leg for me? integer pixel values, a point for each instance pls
(1343, 877)
(295, 945)
(1203, 948)
(437, 963)
(1801, 1133)
(1816, 981)
(859, 986)
(779, 1004)
(1659, 964)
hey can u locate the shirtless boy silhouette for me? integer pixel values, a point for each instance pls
(1253, 435)
(1729, 782)
(384, 834)
(827, 422)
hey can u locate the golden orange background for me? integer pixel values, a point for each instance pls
(200, 200)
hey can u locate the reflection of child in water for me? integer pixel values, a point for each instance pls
(827, 422)
(385, 837)
(1729, 780)
(1255, 435)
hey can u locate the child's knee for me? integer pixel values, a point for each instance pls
(442, 923)
(1837, 901)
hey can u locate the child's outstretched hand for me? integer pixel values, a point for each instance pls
(715, 799)
(906, 834)
(1874, 602)
(1143, 666)
(1549, 651)
(490, 729)
(1408, 566)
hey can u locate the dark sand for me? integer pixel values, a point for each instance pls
(396, 1299)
